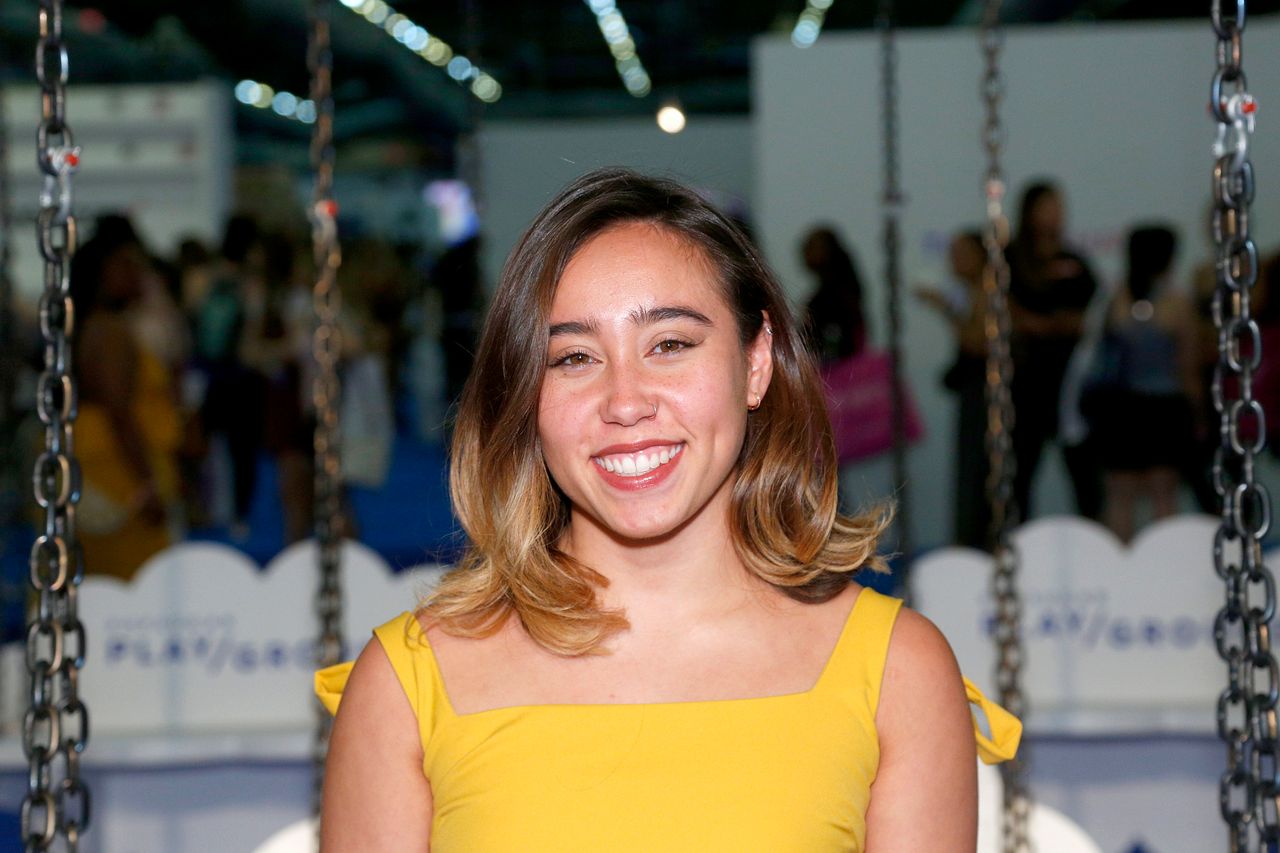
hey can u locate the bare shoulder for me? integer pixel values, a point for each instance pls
(920, 656)
(925, 793)
(373, 685)
(922, 679)
(376, 795)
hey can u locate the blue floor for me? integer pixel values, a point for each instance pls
(407, 521)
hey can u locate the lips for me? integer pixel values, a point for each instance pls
(638, 466)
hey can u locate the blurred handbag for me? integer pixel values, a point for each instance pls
(367, 422)
(859, 393)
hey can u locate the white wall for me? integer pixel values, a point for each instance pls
(1116, 112)
(160, 153)
(524, 164)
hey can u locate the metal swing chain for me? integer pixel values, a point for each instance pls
(1000, 425)
(892, 200)
(1249, 795)
(326, 390)
(57, 723)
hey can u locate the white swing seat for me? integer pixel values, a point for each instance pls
(1049, 830)
(299, 837)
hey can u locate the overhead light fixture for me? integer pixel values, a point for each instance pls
(809, 24)
(432, 48)
(618, 36)
(671, 118)
(283, 104)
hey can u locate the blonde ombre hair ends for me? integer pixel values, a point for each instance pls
(785, 524)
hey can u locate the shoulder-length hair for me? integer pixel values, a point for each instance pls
(784, 520)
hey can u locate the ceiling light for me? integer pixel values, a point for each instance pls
(617, 35)
(671, 118)
(431, 48)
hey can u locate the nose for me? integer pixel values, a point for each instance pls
(627, 399)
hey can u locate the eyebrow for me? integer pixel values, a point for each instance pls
(642, 316)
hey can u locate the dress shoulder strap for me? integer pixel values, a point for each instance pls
(860, 658)
(860, 654)
(414, 663)
(410, 654)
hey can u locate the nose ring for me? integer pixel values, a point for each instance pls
(654, 413)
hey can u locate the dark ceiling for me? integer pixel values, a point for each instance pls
(549, 56)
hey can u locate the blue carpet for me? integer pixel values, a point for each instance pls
(407, 521)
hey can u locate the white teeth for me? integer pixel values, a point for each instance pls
(634, 465)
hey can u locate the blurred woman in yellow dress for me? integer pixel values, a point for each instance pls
(128, 430)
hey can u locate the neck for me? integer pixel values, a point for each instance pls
(668, 581)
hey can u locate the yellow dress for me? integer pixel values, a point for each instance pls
(773, 774)
(121, 543)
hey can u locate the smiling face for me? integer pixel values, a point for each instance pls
(643, 407)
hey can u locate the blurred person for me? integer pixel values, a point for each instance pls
(372, 281)
(232, 409)
(375, 285)
(1197, 469)
(834, 320)
(159, 323)
(1142, 419)
(963, 306)
(128, 429)
(456, 275)
(194, 266)
(1050, 289)
(276, 343)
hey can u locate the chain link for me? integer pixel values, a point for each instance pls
(56, 725)
(326, 348)
(891, 202)
(1000, 425)
(1249, 795)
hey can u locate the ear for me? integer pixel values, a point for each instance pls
(760, 363)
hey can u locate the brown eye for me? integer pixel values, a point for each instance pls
(573, 359)
(671, 345)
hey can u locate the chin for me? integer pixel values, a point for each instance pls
(641, 530)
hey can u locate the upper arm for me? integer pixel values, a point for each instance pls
(376, 796)
(925, 794)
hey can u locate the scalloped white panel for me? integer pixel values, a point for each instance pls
(203, 640)
(1116, 638)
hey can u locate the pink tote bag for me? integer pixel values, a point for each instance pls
(859, 391)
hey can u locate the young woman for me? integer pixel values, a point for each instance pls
(1050, 288)
(1144, 422)
(129, 427)
(654, 643)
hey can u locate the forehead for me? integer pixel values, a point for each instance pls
(636, 263)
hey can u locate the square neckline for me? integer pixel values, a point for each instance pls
(842, 639)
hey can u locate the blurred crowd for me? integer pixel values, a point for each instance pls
(1117, 375)
(194, 369)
